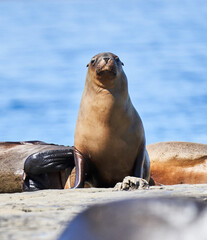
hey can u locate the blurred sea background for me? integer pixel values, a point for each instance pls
(46, 45)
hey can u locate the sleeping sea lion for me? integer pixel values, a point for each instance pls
(109, 132)
(178, 162)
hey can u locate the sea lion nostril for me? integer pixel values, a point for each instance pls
(106, 59)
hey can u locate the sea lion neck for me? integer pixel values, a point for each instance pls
(117, 88)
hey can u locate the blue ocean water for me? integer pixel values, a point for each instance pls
(45, 46)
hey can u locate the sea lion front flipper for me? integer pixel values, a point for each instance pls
(42, 169)
(35, 182)
(49, 161)
(142, 165)
(81, 169)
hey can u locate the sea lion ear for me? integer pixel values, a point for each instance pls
(118, 60)
(87, 65)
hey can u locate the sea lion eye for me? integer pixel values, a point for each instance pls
(118, 60)
(93, 61)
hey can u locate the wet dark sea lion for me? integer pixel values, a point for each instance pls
(109, 132)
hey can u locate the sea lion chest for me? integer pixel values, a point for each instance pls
(109, 132)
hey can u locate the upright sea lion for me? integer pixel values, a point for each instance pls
(109, 132)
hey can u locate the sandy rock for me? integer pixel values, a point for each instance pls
(45, 214)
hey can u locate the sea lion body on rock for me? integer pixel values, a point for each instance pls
(45, 165)
(178, 162)
(48, 166)
(109, 131)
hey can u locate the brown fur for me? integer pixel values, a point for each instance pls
(10, 182)
(12, 157)
(178, 162)
(13, 154)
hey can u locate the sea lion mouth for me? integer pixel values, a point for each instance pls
(101, 72)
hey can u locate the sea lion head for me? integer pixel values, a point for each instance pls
(105, 70)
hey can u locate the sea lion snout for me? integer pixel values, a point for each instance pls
(106, 59)
(106, 65)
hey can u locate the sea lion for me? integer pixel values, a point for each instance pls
(156, 218)
(45, 165)
(109, 132)
(178, 162)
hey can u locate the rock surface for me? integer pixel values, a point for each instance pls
(44, 214)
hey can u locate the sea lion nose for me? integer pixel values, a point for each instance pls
(106, 59)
